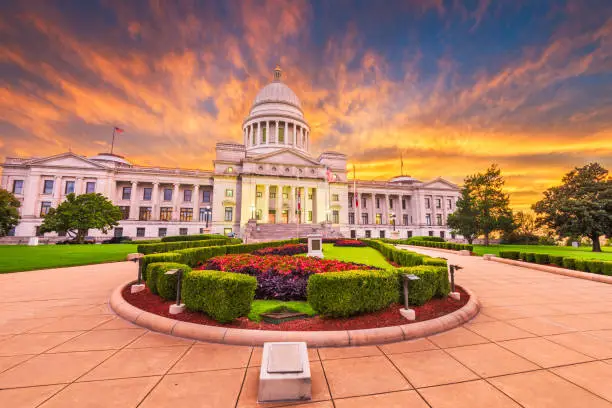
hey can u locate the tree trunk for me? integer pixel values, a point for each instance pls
(596, 244)
(486, 241)
(470, 240)
(80, 237)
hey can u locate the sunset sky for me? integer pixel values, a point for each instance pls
(454, 86)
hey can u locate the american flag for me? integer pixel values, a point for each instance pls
(118, 130)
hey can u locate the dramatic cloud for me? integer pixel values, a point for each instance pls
(451, 86)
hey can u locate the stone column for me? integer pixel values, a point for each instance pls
(195, 198)
(57, 188)
(266, 204)
(155, 202)
(357, 208)
(258, 139)
(400, 212)
(276, 131)
(78, 186)
(294, 138)
(134, 202)
(279, 203)
(175, 202)
(292, 204)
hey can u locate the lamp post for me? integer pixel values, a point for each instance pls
(178, 307)
(252, 211)
(406, 311)
(454, 294)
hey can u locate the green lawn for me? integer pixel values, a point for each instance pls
(266, 306)
(580, 252)
(15, 258)
(362, 255)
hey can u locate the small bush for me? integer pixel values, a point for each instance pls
(607, 268)
(523, 256)
(154, 270)
(224, 296)
(530, 257)
(569, 263)
(434, 261)
(343, 294)
(542, 259)
(195, 237)
(166, 284)
(197, 256)
(165, 257)
(581, 265)
(509, 254)
(433, 282)
(595, 266)
(556, 260)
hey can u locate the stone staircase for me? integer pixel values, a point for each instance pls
(275, 232)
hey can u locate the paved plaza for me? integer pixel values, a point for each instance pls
(541, 340)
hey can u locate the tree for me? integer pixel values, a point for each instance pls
(80, 213)
(9, 213)
(483, 207)
(581, 205)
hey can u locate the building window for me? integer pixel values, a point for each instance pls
(427, 203)
(17, 186)
(45, 206)
(368, 234)
(351, 218)
(147, 193)
(431, 233)
(48, 187)
(11, 232)
(377, 202)
(230, 169)
(206, 196)
(259, 214)
(336, 217)
(263, 134)
(449, 204)
(309, 194)
(285, 196)
(229, 192)
(409, 234)
(335, 197)
(378, 218)
(162, 232)
(90, 187)
(381, 233)
(127, 193)
(140, 232)
(227, 231)
(442, 234)
(144, 214)
(281, 135)
(405, 219)
(439, 219)
(351, 200)
(438, 203)
(364, 218)
(428, 219)
(390, 204)
(363, 203)
(187, 196)
(453, 235)
(309, 216)
(272, 192)
(186, 214)
(118, 232)
(205, 214)
(165, 213)
(353, 234)
(125, 212)
(167, 194)
(259, 194)
(229, 213)
(69, 187)
(403, 203)
(182, 231)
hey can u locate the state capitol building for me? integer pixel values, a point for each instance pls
(267, 187)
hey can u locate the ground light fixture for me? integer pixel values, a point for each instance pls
(408, 313)
(454, 294)
(178, 307)
(137, 258)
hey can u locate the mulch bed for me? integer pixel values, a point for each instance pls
(390, 316)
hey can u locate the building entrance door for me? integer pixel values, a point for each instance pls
(272, 217)
(285, 218)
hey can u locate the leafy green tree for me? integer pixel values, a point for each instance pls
(9, 213)
(483, 206)
(581, 205)
(80, 213)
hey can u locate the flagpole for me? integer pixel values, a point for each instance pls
(297, 226)
(113, 142)
(355, 198)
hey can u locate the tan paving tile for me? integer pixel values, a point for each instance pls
(152, 339)
(34, 343)
(472, 394)
(595, 376)
(602, 334)
(457, 337)
(121, 393)
(100, 340)
(542, 389)
(73, 323)
(313, 355)
(321, 404)
(29, 397)
(332, 353)
(48, 369)
(362, 376)
(490, 359)
(116, 323)
(16, 326)
(250, 388)
(584, 343)
(409, 346)
(136, 363)
(540, 326)
(433, 367)
(11, 361)
(209, 389)
(498, 331)
(204, 357)
(399, 399)
(544, 352)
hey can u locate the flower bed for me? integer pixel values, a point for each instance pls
(279, 277)
(349, 243)
(289, 249)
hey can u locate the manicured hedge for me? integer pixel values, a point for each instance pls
(402, 257)
(578, 264)
(443, 245)
(197, 256)
(569, 263)
(196, 237)
(556, 260)
(542, 259)
(166, 284)
(165, 257)
(154, 272)
(224, 296)
(433, 282)
(342, 294)
(510, 254)
(173, 246)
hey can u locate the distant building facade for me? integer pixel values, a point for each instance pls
(268, 180)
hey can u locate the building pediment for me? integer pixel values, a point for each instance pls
(440, 184)
(285, 156)
(66, 160)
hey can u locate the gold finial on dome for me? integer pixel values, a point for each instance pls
(278, 73)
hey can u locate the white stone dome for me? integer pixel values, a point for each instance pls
(277, 92)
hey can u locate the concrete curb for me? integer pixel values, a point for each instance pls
(553, 269)
(245, 337)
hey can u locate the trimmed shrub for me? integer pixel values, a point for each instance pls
(426, 238)
(155, 269)
(569, 263)
(197, 256)
(530, 257)
(195, 237)
(173, 246)
(166, 284)
(224, 296)
(581, 265)
(165, 257)
(434, 261)
(443, 245)
(556, 260)
(607, 268)
(343, 294)
(509, 254)
(401, 257)
(542, 259)
(433, 282)
(594, 266)
(523, 256)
